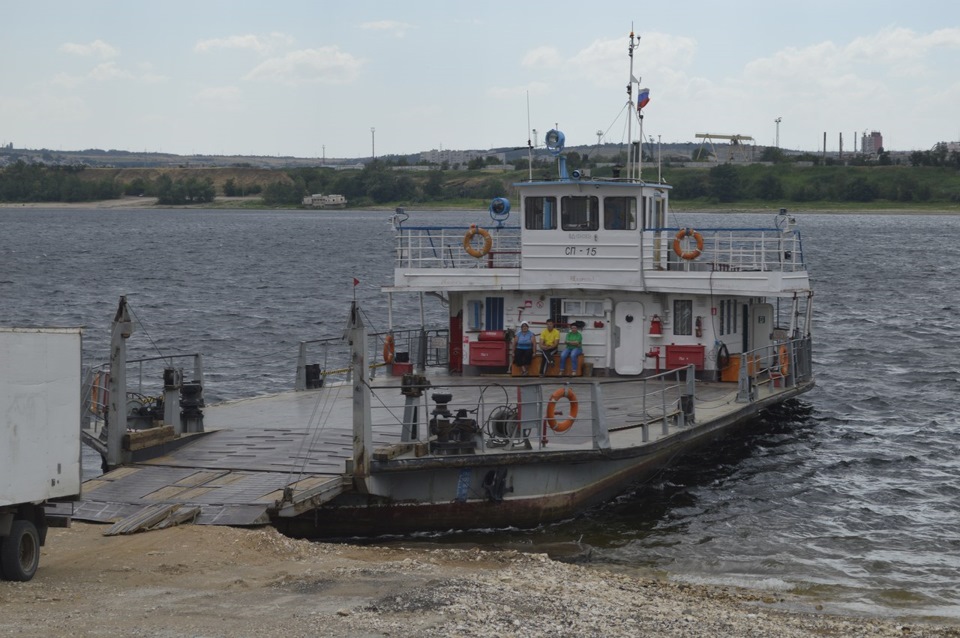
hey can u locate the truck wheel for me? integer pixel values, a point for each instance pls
(20, 552)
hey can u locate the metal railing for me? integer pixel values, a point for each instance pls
(323, 360)
(729, 250)
(443, 247)
(783, 364)
(554, 415)
(724, 249)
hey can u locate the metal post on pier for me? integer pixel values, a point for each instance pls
(688, 414)
(362, 426)
(117, 408)
(601, 435)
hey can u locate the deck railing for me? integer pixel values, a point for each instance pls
(322, 360)
(786, 364)
(729, 249)
(724, 249)
(443, 247)
(554, 415)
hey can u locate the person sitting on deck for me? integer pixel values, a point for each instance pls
(549, 342)
(523, 346)
(573, 351)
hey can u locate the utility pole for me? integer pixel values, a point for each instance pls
(778, 131)
(323, 162)
(373, 143)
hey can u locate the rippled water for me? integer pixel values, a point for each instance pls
(849, 495)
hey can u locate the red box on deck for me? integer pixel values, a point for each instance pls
(488, 353)
(400, 369)
(682, 356)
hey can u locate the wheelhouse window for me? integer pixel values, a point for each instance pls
(580, 213)
(540, 213)
(728, 316)
(619, 213)
(683, 317)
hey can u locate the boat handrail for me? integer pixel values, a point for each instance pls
(765, 249)
(516, 419)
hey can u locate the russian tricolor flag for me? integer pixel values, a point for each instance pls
(643, 98)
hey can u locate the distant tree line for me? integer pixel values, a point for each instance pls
(939, 155)
(726, 183)
(379, 183)
(932, 177)
(22, 182)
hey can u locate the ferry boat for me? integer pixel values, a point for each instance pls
(686, 333)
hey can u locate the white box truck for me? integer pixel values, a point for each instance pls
(40, 377)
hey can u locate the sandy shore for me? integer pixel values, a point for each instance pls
(218, 581)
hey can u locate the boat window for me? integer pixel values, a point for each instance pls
(474, 318)
(580, 213)
(620, 213)
(583, 308)
(682, 317)
(728, 316)
(593, 308)
(494, 318)
(540, 213)
(571, 307)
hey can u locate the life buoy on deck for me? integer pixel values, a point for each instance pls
(784, 361)
(562, 426)
(388, 349)
(688, 254)
(468, 241)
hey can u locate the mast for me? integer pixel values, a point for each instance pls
(630, 109)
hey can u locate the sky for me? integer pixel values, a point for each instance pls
(350, 79)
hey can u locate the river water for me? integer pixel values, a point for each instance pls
(849, 495)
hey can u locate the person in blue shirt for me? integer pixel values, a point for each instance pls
(524, 345)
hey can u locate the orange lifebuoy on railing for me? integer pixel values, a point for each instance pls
(562, 426)
(688, 254)
(784, 361)
(388, 349)
(468, 241)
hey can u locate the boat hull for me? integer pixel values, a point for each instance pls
(502, 491)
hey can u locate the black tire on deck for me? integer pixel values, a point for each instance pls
(20, 552)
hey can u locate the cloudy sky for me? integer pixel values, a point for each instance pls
(311, 78)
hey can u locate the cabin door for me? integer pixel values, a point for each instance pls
(629, 331)
(759, 337)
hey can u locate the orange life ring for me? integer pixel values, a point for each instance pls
(784, 361)
(687, 254)
(468, 241)
(388, 349)
(563, 426)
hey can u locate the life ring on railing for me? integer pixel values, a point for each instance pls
(784, 361)
(688, 254)
(468, 241)
(388, 349)
(562, 426)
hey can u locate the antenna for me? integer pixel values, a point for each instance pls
(599, 136)
(529, 144)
